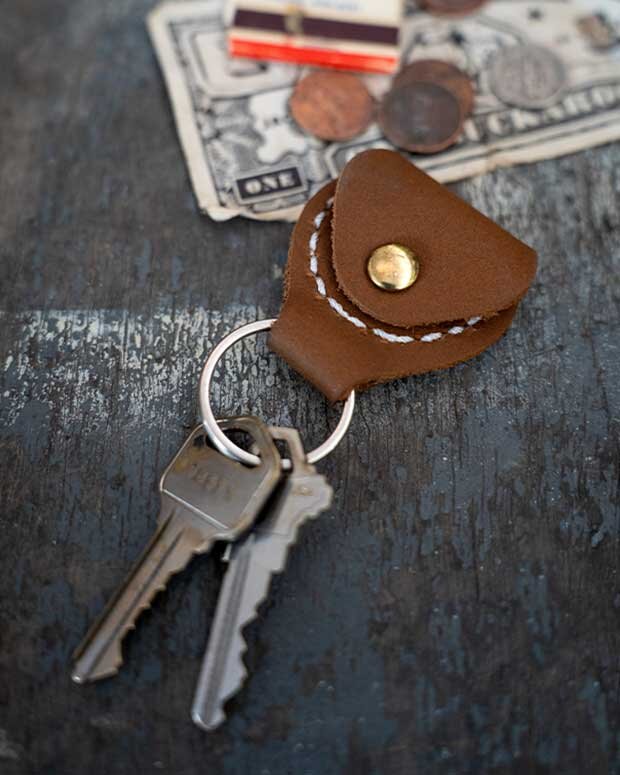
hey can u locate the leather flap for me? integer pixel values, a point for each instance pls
(469, 266)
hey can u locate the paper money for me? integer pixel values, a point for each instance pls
(246, 156)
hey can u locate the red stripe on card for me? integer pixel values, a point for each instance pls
(312, 56)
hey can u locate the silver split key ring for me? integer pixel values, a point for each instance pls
(219, 439)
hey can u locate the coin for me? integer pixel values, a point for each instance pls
(421, 117)
(331, 105)
(452, 7)
(443, 74)
(527, 76)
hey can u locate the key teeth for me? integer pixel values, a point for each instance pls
(111, 659)
(214, 715)
(254, 613)
(317, 509)
(242, 671)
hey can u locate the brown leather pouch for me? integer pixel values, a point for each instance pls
(342, 332)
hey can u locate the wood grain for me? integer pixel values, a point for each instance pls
(456, 611)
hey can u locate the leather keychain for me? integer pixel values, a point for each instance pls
(465, 276)
(389, 274)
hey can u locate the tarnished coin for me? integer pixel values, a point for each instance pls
(443, 74)
(421, 117)
(332, 105)
(598, 30)
(452, 7)
(527, 76)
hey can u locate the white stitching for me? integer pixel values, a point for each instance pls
(340, 310)
(392, 337)
(320, 286)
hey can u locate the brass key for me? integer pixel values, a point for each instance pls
(205, 497)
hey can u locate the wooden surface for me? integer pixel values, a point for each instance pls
(457, 611)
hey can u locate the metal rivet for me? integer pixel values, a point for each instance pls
(294, 20)
(393, 267)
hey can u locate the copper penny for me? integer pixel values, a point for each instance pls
(331, 105)
(421, 117)
(443, 74)
(452, 7)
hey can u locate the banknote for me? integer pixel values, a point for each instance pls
(247, 157)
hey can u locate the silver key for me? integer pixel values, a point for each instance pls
(205, 497)
(302, 495)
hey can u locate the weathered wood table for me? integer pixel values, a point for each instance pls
(458, 609)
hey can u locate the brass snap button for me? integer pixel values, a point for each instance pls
(393, 267)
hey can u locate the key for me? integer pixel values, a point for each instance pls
(303, 494)
(205, 497)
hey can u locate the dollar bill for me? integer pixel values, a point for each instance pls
(247, 157)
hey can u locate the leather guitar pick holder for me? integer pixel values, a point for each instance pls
(341, 331)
